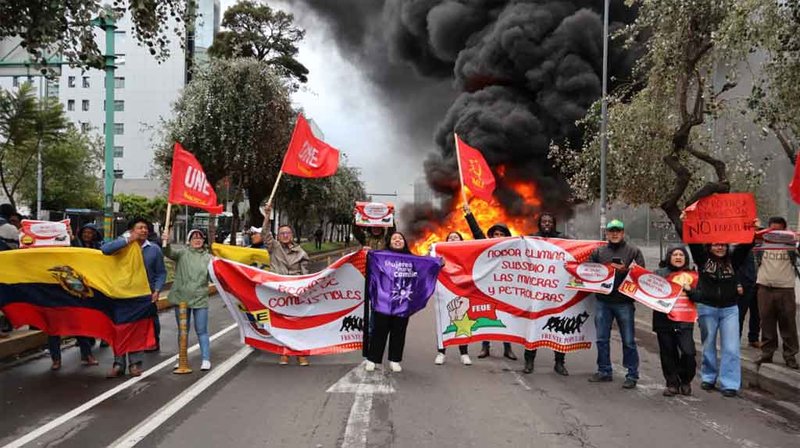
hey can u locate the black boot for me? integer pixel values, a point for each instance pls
(530, 357)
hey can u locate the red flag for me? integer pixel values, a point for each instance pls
(475, 172)
(307, 155)
(188, 184)
(794, 185)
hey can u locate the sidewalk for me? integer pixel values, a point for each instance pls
(775, 378)
(24, 340)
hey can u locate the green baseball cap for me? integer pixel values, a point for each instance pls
(615, 224)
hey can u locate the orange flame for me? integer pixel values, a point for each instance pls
(486, 214)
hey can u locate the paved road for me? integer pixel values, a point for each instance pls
(258, 403)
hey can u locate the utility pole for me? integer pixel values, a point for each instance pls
(107, 23)
(604, 126)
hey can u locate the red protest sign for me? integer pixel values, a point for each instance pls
(720, 218)
(684, 309)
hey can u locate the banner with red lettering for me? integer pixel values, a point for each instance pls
(720, 218)
(684, 309)
(307, 155)
(35, 233)
(373, 214)
(314, 314)
(649, 289)
(590, 277)
(513, 290)
(188, 184)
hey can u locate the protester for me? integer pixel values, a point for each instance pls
(776, 300)
(88, 236)
(372, 237)
(499, 230)
(718, 313)
(385, 327)
(286, 258)
(9, 239)
(747, 300)
(462, 349)
(256, 240)
(619, 254)
(547, 229)
(138, 232)
(15, 219)
(676, 339)
(191, 286)
(318, 238)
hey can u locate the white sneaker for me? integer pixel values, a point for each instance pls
(439, 359)
(206, 365)
(465, 360)
(395, 366)
(369, 366)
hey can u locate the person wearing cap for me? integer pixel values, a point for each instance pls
(286, 258)
(498, 230)
(620, 255)
(256, 240)
(547, 229)
(191, 286)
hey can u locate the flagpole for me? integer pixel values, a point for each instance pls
(166, 223)
(460, 173)
(275, 188)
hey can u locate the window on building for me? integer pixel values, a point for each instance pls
(70, 105)
(71, 81)
(118, 174)
(119, 105)
(84, 126)
(119, 82)
(119, 128)
(118, 151)
(15, 83)
(85, 82)
(85, 105)
(52, 89)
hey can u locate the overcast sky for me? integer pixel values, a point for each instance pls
(347, 110)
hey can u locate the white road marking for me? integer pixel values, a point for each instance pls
(150, 424)
(46, 428)
(517, 376)
(364, 385)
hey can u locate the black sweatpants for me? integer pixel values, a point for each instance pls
(531, 355)
(677, 351)
(387, 327)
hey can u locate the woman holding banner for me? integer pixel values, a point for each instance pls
(462, 349)
(676, 334)
(191, 286)
(717, 301)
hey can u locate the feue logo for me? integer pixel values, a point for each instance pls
(309, 155)
(196, 180)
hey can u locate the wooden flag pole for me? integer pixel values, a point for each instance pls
(275, 188)
(166, 223)
(460, 173)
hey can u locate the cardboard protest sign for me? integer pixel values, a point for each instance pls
(720, 218)
(649, 289)
(374, 214)
(43, 233)
(590, 277)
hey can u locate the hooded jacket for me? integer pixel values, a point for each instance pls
(554, 234)
(191, 276)
(662, 322)
(478, 234)
(96, 242)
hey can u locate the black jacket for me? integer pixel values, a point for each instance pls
(718, 277)
(477, 233)
(628, 253)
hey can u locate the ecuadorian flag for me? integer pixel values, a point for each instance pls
(80, 292)
(257, 258)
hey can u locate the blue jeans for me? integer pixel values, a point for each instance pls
(84, 343)
(200, 327)
(724, 321)
(605, 315)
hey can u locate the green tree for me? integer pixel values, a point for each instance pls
(25, 124)
(70, 174)
(659, 154)
(258, 31)
(64, 27)
(236, 118)
(134, 206)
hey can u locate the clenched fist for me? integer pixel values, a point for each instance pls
(457, 308)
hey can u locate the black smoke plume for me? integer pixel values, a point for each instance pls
(525, 72)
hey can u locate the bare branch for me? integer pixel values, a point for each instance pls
(785, 143)
(682, 178)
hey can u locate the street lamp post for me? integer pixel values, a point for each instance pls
(106, 23)
(604, 126)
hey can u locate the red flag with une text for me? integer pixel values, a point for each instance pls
(188, 184)
(475, 172)
(794, 185)
(307, 155)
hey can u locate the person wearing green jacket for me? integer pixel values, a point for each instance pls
(191, 286)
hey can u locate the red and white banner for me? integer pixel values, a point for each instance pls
(188, 184)
(374, 214)
(590, 277)
(649, 289)
(769, 239)
(315, 314)
(513, 290)
(43, 233)
(684, 309)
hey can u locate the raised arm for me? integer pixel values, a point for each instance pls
(477, 233)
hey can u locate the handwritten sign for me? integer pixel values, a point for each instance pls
(590, 277)
(720, 218)
(649, 289)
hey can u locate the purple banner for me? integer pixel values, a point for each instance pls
(400, 284)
